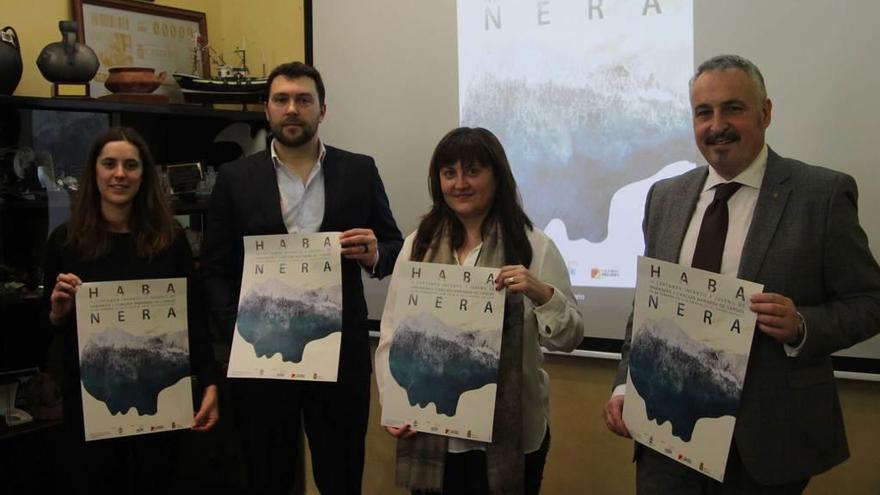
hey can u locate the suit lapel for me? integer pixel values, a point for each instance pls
(268, 204)
(772, 198)
(333, 190)
(676, 222)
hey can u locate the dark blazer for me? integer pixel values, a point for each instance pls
(805, 242)
(246, 201)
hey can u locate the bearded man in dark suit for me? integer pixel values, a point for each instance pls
(301, 185)
(794, 228)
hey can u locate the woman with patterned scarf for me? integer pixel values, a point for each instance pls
(477, 220)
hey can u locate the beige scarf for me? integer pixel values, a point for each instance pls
(421, 458)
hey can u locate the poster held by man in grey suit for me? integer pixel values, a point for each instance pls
(692, 333)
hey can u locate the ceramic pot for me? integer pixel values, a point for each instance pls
(133, 80)
(10, 61)
(67, 61)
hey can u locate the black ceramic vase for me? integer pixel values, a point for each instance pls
(10, 61)
(67, 61)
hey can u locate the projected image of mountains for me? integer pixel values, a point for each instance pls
(437, 363)
(582, 142)
(127, 371)
(277, 318)
(681, 379)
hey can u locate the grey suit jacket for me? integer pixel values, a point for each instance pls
(805, 242)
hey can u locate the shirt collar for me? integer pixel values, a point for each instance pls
(752, 176)
(322, 151)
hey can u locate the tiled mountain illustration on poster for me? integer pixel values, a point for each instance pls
(682, 380)
(125, 371)
(277, 318)
(437, 363)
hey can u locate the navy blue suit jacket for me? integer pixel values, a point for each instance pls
(246, 201)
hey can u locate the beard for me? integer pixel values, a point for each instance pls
(307, 131)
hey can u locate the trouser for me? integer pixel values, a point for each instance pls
(269, 414)
(142, 464)
(465, 473)
(139, 464)
(657, 474)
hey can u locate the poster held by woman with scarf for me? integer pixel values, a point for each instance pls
(444, 351)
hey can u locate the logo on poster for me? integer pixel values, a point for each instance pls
(599, 273)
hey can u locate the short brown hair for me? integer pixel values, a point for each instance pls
(292, 70)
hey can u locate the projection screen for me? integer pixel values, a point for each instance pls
(590, 99)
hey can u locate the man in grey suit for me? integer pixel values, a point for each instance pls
(794, 228)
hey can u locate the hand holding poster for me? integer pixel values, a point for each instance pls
(289, 323)
(443, 360)
(134, 357)
(691, 339)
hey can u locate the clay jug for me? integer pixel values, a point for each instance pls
(10, 61)
(67, 61)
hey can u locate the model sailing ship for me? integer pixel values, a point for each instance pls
(231, 85)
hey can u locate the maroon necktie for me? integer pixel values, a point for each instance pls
(713, 230)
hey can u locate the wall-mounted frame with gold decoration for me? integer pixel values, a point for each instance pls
(127, 33)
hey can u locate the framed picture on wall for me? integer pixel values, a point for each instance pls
(127, 33)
